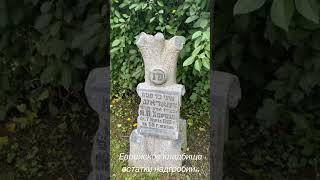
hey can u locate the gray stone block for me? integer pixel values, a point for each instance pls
(225, 95)
(97, 92)
(141, 145)
(183, 134)
(152, 151)
(154, 107)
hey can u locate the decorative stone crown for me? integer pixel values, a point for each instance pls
(160, 57)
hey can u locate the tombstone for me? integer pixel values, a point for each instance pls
(160, 134)
(225, 95)
(97, 92)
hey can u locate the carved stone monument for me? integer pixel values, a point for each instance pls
(225, 95)
(160, 134)
(97, 93)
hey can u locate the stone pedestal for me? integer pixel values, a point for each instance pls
(97, 92)
(151, 151)
(225, 95)
(157, 149)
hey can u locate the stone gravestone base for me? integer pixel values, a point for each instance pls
(161, 152)
(149, 151)
(226, 93)
(96, 90)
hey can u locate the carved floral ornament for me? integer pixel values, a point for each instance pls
(160, 57)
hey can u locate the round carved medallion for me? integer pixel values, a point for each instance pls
(157, 76)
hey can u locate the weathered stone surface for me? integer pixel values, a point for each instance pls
(97, 92)
(162, 151)
(225, 95)
(160, 131)
(183, 134)
(160, 54)
(159, 110)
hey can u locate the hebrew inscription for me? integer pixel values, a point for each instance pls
(158, 109)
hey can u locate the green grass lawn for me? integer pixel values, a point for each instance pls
(124, 112)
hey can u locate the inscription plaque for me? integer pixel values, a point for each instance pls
(159, 110)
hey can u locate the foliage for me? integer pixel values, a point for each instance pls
(47, 48)
(273, 46)
(188, 18)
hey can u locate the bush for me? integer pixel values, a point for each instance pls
(273, 46)
(47, 47)
(46, 51)
(185, 18)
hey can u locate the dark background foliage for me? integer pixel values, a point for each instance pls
(273, 47)
(48, 47)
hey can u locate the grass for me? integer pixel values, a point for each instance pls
(124, 113)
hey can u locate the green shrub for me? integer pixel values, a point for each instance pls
(273, 46)
(47, 48)
(188, 18)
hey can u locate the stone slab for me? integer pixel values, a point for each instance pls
(163, 150)
(151, 151)
(225, 95)
(159, 110)
(97, 93)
